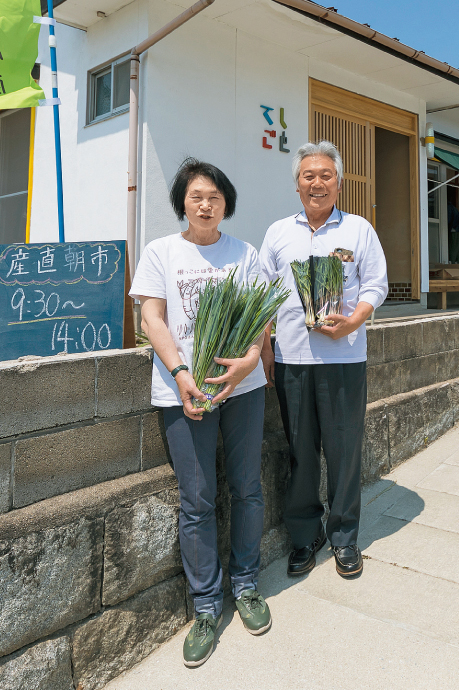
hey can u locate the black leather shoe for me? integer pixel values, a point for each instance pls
(303, 560)
(348, 560)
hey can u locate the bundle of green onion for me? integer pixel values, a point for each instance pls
(302, 274)
(328, 288)
(319, 281)
(230, 319)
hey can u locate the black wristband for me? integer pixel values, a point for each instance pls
(175, 371)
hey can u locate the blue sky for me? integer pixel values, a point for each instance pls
(428, 25)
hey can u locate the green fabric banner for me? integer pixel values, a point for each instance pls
(18, 53)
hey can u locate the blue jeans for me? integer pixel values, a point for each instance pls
(193, 448)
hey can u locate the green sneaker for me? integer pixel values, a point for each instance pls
(254, 611)
(199, 643)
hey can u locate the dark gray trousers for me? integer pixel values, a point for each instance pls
(323, 404)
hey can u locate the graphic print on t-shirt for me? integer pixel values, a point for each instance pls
(189, 292)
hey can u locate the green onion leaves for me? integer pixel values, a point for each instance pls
(321, 294)
(230, 319)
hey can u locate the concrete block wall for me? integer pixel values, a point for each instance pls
(73, 421)
(90, 573)
(404, 356)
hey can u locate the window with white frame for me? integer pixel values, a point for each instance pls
(109, 89)
(433, 178)
(438, 215)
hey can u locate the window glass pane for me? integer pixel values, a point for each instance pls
(434, 243)
(433, 199)
(121, 84)
(13, 217)
(432, 172)
(103, 93)
(453, 185)
(14, 151)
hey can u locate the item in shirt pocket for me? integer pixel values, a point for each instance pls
(346, 255)
(319, 282)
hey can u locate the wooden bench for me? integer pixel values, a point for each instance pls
(444, 278)
(442, 287)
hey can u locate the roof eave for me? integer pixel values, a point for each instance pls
(44, 5)
(369, 36)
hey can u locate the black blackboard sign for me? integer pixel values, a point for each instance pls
(61, 297)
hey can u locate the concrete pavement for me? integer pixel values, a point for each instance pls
(396, 627)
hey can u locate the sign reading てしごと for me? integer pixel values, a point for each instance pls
(61, 298)
(272, 132)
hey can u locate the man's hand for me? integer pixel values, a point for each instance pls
(188, 391)
(267, 357)
(343, 325)
(237, 370)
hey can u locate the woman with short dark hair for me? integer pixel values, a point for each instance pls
(168, 280)
(192, 168)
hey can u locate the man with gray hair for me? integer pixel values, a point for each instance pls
(320, 375)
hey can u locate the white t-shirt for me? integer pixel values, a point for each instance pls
(365, 280)
(174, 269)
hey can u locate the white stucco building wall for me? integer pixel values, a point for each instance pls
(94, 157)
(200, 94)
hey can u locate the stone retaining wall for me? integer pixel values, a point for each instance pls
(96, 573)
(90, 574)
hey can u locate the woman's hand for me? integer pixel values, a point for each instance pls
(238, 369)
(188, 391)
(154, 326)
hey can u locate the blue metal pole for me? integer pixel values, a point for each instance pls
(57, 129)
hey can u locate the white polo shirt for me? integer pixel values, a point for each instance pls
(365, 281)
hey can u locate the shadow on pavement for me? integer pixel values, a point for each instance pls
(376, 524)
(376, 500)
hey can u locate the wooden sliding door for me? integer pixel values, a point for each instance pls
(350, 121)
(355, 140)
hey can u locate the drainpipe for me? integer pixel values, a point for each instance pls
(134, 119)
